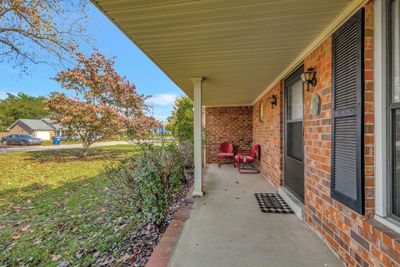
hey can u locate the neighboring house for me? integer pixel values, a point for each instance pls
(37, 128)
(162, 129)
(59, 130)
(42, 128)
(330, 144)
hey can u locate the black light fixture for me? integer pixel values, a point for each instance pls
(308, 78)
(273, 101)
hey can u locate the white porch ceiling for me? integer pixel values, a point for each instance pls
(240, 47)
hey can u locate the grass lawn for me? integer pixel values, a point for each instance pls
(55, 207)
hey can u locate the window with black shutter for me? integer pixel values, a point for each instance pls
(347, 184)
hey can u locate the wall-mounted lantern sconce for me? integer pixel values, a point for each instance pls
(308, 78)
(273, 101)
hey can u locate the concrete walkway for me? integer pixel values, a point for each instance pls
(10, 149)
(226, 228)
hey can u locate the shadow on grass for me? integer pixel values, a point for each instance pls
(82, 212)
(26, 190)
(45, 194)
(68, 156)
(75, 154)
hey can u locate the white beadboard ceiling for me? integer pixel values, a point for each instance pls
(240, 47)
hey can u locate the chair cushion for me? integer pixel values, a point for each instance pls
(244, 158)
(226, 147)
(222, 154)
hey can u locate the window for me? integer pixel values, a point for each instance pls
(295, 101)
(347, 185)
(295, 148)
(394, 105)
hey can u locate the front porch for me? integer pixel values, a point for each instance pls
(245, 64)
(227, 228)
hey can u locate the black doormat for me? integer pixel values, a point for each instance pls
(272, 203)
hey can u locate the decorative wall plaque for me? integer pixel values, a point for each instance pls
(315, 105)
(261, 112)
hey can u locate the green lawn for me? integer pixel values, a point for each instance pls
(55, 207)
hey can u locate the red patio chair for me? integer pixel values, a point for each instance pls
(226, 151)
(245, 160)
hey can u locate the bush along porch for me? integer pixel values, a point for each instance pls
(154, 184)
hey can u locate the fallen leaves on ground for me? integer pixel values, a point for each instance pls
(55, 257)
(74, 222)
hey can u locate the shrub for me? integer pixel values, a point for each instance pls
(150, 181)
(181, 120)
(186, 154)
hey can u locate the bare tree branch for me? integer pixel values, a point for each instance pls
(17, 51)
(31, 30)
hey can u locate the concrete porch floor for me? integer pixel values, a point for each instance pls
(227, 228)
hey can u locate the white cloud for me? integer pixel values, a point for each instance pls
(162, 115)
(163, 99)
(161, 105)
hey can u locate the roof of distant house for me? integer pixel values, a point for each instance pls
(35, 125)
(54, 125)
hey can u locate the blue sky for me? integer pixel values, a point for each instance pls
(130, 61)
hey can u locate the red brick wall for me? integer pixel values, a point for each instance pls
(269, 134)
(358, 240)
(232, 124)
(369, 110)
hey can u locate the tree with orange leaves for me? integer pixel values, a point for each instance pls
(104, 103)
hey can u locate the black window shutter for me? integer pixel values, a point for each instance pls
(347, 184)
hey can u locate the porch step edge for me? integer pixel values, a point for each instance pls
(294, 203)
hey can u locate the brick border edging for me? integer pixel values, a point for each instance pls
(164, 249)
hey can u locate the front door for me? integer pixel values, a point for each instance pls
(294, 153)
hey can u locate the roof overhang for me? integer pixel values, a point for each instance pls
(241, 48)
